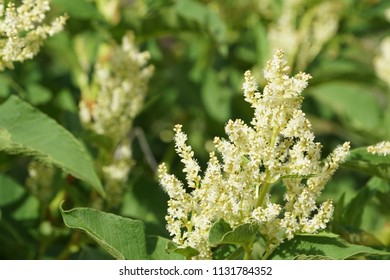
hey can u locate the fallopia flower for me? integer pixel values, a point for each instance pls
(278, 145)
(23, 30)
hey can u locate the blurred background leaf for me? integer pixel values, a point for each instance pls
(200, 50)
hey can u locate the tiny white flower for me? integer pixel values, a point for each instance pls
(23, 31)
(381, 148)
(278, 146)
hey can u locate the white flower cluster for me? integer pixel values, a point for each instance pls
(381, 148)
(22, 30)
(302, 30)
(113, 99)
(120, 84)
(278, 145)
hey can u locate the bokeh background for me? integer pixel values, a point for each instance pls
(199, 51)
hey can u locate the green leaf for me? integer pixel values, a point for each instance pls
(261, 41)
(38, 94)
(92, 253)
(26, 207)
(192, 10)
(156, 246)
(4, 86)
(78, 9)
(311, 257)
(216, 98)
(228, 252)
(364, 161)
(25, 130)
(10, 190)
(327, 245)
(217, 26)
(353, 102)
(355, 209)
(222, 233)
(188, 252)
(65, 102)
(121, 237)
(29, 210)
(379, 185)
(218, 230)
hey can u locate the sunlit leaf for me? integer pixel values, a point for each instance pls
(222, 233)
(325, 245)
(157, 246)
(188, 252)
(26, 131)
(121, 237)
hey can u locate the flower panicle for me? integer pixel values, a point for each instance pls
(278, 145)
(23, 30)
(381, 148)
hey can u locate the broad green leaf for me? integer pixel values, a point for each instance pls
(26, 131)
(187, 252)
(311, 257)
(364, 161)
(353, 102)
(156, 246)
(10, 190)
(218, 230)
(228, 252)
(92, 253)
(324, 244)
(222, 233)
(121, 237)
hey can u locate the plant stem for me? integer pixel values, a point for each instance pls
(248, 251)
(263, 191)
(265, 188)
(247, 255)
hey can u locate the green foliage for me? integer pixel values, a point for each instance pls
(10, 191)
(26, 131)
(222, 233)
(321, 246)
(121, 237)
(187, 252)
(200, 50)
(365, 113)
(158, 249)
(375, 165)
